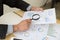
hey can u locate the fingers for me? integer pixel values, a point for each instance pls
(28, 20)
(36, 9)
(41, 9)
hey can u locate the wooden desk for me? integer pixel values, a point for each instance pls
(8, 37)
(58, 21)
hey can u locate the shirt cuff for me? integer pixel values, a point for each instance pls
(29, 8)
(10, 29)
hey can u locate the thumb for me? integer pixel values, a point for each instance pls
(29, 20)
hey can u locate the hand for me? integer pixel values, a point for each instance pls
(36, 9)
(23, 25)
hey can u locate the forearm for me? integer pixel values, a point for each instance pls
(17, 3)
(3, 30)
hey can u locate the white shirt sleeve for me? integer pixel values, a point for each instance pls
(29, 8)
(10, 29)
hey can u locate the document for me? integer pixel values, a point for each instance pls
(53, 32)
(40, 32)
(47, 16)
(36, 32)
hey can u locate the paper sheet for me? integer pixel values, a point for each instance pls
(40, 32)
(54, 32)
(36, 32)
(47, 16)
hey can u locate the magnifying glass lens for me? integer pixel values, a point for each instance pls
(35, 17)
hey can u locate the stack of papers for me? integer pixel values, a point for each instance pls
(42, 29)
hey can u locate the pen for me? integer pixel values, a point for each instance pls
(17, 14)
(16, 39)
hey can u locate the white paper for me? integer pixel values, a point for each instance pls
(54, 32)
(36, 32)
(46, 17)
(40, 32)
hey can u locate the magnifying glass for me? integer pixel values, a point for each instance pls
(35, 17)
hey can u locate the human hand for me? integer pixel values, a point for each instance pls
(22, 26)
(36, 9)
